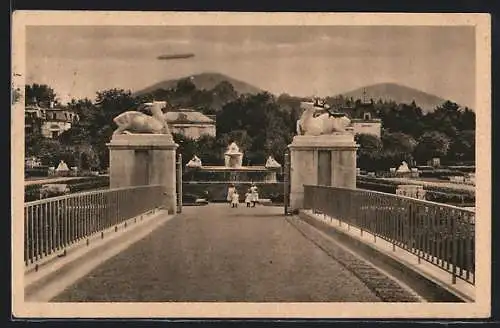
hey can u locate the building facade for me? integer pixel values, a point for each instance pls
(190, 123)
(367, 125)
(364, 118)
(51, 121)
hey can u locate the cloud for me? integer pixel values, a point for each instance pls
(246, 51)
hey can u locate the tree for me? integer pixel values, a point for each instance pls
(463, 147)
(82, 129)
(82, 107)
(48, 151)
(33, 138)
(108, 104)
(185, 86)
(368, 143)
(241, 137)
(40, 94)
(187, 147)
(209, 150)
(398, 143)
(369, 151)
(432, 144)
(225, 91)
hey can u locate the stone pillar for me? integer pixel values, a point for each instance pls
(144, 159)
(326, 160)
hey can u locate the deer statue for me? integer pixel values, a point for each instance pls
(318, 119)
(132, 122)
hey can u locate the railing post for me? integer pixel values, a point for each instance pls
(179, 183)
(286, 182)
(453, 250)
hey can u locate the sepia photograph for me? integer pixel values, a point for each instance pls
(236, 165)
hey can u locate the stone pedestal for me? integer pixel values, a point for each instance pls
(144, 159)
(328, 160)
(271, 176)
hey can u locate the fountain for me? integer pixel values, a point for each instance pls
(233, 169)
(233, 157)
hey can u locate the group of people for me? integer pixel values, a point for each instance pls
(251, 196)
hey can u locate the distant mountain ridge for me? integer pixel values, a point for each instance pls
(398, 93)
(205, 81)
(385, 91)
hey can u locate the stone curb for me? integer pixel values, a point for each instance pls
(385, 287)
(428, 288)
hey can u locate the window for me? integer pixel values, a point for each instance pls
(54, 134)
(367, 116)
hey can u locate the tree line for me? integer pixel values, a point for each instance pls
(409, 135)
(261, 124)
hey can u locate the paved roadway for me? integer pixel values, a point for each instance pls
(216, 253)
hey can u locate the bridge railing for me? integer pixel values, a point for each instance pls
(51, 225)
(440, 234)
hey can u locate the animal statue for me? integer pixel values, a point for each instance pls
(194, 162)
(271, 162)
(53, 190)
(317, 119)
(131, 122)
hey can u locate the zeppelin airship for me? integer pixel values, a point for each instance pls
(175, 56)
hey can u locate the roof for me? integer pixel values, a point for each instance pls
(187, 116)
(47, 109)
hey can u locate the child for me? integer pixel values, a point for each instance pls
(248, 196)
(254, 194)
(235, 199)
(230, 192)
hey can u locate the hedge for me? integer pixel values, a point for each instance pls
(32, 192)
(217, 191)
(439, 194)
(42, 171)
(194, 175)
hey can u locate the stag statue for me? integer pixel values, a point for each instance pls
(132, 122)
(318, 119)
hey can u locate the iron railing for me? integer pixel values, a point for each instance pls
(440, 234)
(286, 183)
(51, 225)
(178, 171)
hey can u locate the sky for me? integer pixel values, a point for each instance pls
(77, 61)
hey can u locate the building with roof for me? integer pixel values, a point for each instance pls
(364, 118)
(367, 124)
(190, 123)
(51, 121)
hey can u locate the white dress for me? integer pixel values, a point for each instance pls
(230, 192)
(235, 198)
(254, 194)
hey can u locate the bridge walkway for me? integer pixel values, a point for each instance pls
(216, 253)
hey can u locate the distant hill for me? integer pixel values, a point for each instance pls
(398, 93)
(205, 81)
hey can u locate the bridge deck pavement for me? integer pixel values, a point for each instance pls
(216, 253)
